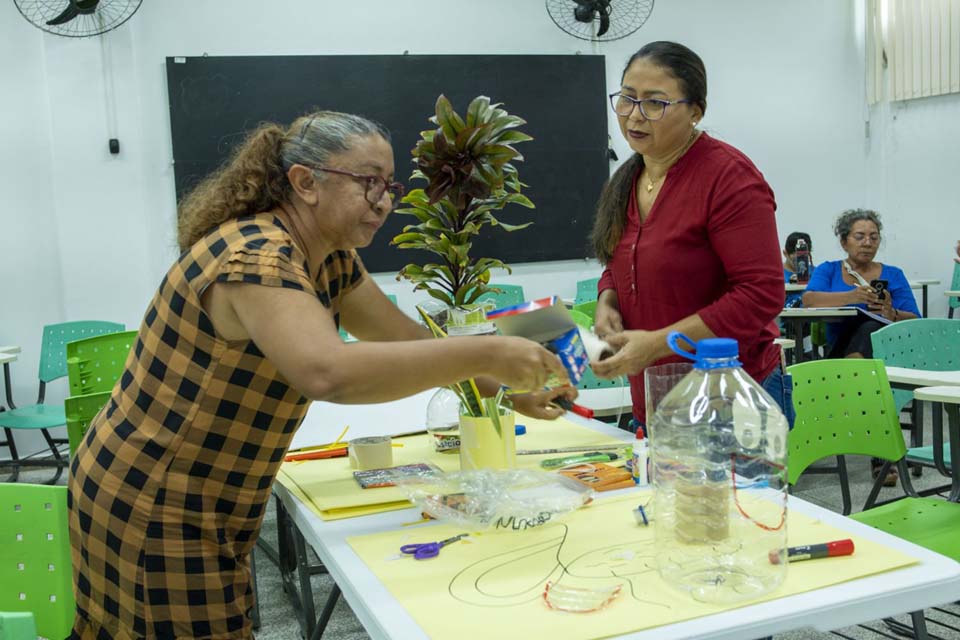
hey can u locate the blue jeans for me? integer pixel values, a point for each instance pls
(780, 387)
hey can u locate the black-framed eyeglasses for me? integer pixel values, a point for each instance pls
(376, 186)
(651, 108)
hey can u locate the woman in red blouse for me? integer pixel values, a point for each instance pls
(686, 230)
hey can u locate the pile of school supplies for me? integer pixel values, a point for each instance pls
(600, 477)
(497, 499)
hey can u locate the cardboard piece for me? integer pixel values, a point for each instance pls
(548, 322)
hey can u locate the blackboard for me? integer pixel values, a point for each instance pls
(215, 100)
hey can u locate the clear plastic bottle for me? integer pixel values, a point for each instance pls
(443, 421)
(718, 447)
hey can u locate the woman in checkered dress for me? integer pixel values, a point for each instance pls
(169, 486)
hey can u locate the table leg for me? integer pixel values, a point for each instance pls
(923, 297)
(953, 426)
(794, 328)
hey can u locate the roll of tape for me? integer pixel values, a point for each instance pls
(375, 452)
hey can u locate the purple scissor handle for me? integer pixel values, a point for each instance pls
(426, 550)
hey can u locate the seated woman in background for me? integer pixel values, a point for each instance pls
(847, 282)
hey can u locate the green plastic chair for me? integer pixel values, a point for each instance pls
(922, 343)
(35, 566)
(581, 319)
(80, 410)
(589, 309)
(509, 295)
(954, 301)
(53, 365)
(846, 407)
(591, 381)
(95, 364)
(843, 407)
(586, 291)
(17, 626)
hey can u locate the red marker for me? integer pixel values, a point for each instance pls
(813, 551)
(580, 410)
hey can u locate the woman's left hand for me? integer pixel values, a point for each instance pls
(635, 350)
(539, 404)
(884, 307)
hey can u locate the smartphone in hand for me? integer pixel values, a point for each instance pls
(880, 287)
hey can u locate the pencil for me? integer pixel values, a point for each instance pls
(586, 447)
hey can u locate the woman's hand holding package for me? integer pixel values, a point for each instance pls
(634, 350)
(523, 364)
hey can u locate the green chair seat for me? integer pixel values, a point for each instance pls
(17, 625)
(924, 455)
(34, 416)
(929, 522)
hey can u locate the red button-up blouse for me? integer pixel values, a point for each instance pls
(708, 246)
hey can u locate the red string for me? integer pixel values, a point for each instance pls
(736, 499)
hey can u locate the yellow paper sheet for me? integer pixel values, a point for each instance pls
(328, 488)
(490, 585)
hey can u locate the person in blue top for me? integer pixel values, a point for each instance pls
(847, 282)
(790, 266)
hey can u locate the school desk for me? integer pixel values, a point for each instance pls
(916, 380)
(922, 284)
(933, 580)
(797, 318)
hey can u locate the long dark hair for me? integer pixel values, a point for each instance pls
(687, 67)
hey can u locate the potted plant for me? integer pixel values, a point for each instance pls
(467, 165)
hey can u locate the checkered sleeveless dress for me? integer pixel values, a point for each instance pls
(169, 486)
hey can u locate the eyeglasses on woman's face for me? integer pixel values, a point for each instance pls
(376, 186)
(864, 238)
(651, 108)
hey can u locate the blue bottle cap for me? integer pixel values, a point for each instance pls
(717, 348)
(707, 353)
(520, 429)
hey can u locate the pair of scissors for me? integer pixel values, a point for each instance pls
(426, 550)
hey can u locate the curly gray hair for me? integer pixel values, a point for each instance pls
(845, 221)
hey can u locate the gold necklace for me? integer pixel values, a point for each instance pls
(650, 180)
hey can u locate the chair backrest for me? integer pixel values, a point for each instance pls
(591, 381)
(53, 352)
(583, 320)
(922, 343)
(80, 410)
(95, 364)
(35, 567)
(510, 294)
(843, 407)
(954, 301)
(586, 290)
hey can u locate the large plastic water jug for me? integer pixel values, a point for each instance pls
(718, 446)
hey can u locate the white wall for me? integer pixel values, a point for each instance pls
(786, 86)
